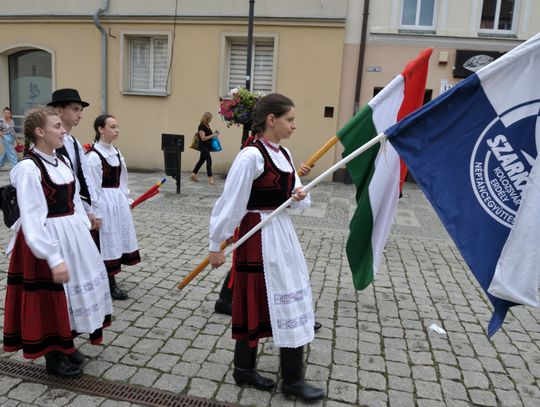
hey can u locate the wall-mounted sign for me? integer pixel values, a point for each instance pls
(468, 62)
(373, 69)
(445, 86)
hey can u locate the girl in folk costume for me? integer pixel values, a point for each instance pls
(52, 246)
(116, 238)
(271, 290)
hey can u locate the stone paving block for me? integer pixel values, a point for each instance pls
(368, 348)
(27, 392)
(342, 391)
(171, 382)
(120, 372)
(83, 400)
(113, 353)
(7, 383)
(144, 377)
(400, 399)
(428, 390)
(253, 397)
(372, 398)
(482, 398)
(202, 388)
(214, 371)
(147, 346)
(228, 394)
(401, 384)
(344, 373)
(372, 380)
(194, 355)
(421, 358)
(426, 373)
(163, 362)
(372, 363)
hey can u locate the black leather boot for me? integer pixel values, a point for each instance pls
(58, 365)
(116, 292)
(77, 358)
(292, 371)
(224, 302)
(244, 368)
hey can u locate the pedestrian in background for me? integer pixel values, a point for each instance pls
(9, 138)
(57, 283)
(271, 290)
(69, 106)
(205, 140)
(116, 238)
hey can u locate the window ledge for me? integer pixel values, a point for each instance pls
(145, 93)
(419, 31)
(484, 34)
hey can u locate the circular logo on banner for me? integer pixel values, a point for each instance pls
(502, 159)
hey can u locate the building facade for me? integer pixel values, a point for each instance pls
(159, 65)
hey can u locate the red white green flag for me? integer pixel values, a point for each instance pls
(376, 173)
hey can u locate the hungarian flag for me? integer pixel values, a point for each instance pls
(376, 173)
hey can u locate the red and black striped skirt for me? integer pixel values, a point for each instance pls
(251, 317)
(36, 316)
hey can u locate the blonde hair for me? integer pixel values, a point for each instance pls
(34, 118)
(205, 118)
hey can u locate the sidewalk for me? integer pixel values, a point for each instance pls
(375, 348)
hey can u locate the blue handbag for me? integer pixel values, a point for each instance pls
(215, 145)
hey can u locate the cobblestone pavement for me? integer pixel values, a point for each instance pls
(374, 349)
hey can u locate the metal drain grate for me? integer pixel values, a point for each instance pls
(105, 388)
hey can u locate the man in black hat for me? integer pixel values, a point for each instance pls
(69, 106)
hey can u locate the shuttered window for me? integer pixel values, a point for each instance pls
(262, 64)
(149, 63)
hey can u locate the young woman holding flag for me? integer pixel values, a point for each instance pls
(271, 290)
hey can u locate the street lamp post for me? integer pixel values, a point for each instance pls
(247, 126)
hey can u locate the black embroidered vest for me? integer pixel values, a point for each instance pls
(59, 197)
(273, 186)
(77, 169)
(111, 174)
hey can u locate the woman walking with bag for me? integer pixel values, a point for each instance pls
(7, 132)
(57, 283)
(271, 290)
(116, 238)
(205, 140)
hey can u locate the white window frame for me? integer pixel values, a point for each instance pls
(417, 26)
(226, 39)
(126, 63)
(497, 18)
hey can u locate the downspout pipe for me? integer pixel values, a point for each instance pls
(361, 55)
(97, 23)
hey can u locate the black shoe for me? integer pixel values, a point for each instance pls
(58, 365)
(222, 307)
(251, 376)
(118, 294)
(77, 358)
(303, 390)
(317, 326)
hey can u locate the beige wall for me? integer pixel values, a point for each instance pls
(309, 61)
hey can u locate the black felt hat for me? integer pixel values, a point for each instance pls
(65, 96)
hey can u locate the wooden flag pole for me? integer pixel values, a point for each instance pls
(322, 151)
(283, 206)
(202, 265)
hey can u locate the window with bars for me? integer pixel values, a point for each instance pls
(148, 64)
(418, 13)
(498, 15)
(262, 64)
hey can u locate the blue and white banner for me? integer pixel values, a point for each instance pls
(471, 150)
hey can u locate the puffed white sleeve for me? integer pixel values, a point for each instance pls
(306, 202)
(124, 178)
(94, 196)
(26, 177)
(230, 208)
(95, 175)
